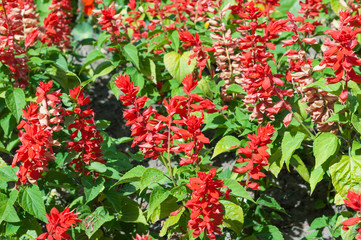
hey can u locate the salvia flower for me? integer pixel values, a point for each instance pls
(40, 122)
(18, 24)
(206, 210)
(59, 224)
(88, 146)
(340, 55)
(143, 237)
(255, 155)
(56, 29)
(354, 202)
(155, 133)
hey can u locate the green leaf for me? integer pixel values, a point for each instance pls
(321, 84)
(337, 6)
(131, 53)
(356, 122)
(99, 216)
(7, 211)
(132, 175)
(31, 200)
(131, 212)
(157, 196)
(300, 167)
(98, 167)
(92, 188)
(235, 88)
(60, 62)
(341, 118)
(177, 65)
(237, 189)
(316, 177)
(225, 144)
(325, 145)
(345, 173)
(318, 223)
(8, 174)
(174, 37)
(82, 31)
(270, 202)
(270, 232)
(15, 100)
(290, 142)
(150, 175)
(233, 216)
(92, 57)
(172, 220)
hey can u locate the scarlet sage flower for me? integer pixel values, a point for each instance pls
(18, 26)
(255, 155)
(199, 50)
(56, 29)
(354, 202)
(340, 55)
(88, 6)
(41, 120)
(88, 146)
(59, 223)
(155, 133)
(206, 210)
(143, 237)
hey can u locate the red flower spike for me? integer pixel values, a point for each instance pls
(256, 155)
(143, 237)
(18, 27)
(56, 29)
(340, 55)
(90, 142)
(59, 223)
(41, 121)
(206, 210)
(354, 201)
(155, 133)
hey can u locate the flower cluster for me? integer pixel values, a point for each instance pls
(155, 133)
(59, 223)
(225, 47)
(18, 23)
(260, 84)
(340, 55)
(56, 29)
(90, 139)
(354, 202)
(206, 210)
(143, 237)
(320, 103)
(198, 51)
(41, 121)
(110, 22)
(256, 156)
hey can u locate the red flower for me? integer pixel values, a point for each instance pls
(206, 210)
(58, 224)
(36, 149)
(256, 156)
(88, 6)
(90, 141)
(143, 237)
(18, 25)
(56, 29)
(340, 55)
(198, 51)
(354, 201)
(155, 133)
